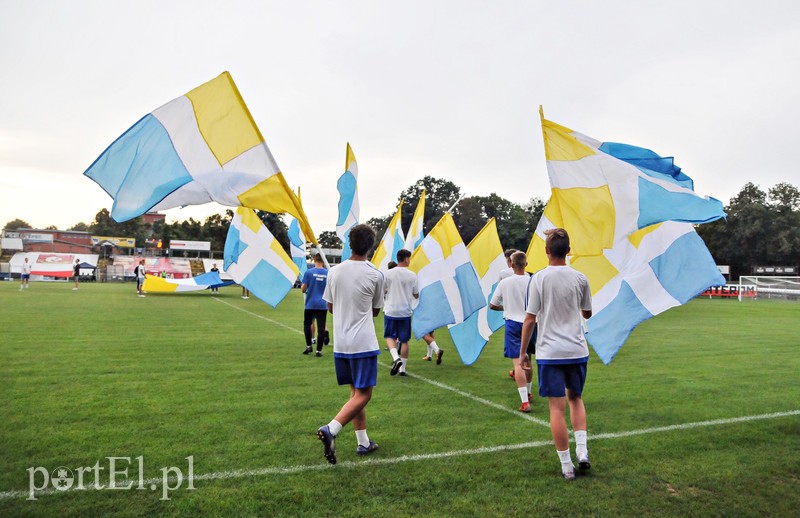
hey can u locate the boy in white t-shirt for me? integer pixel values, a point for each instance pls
(354, 294)
(24, 279)
(401, 293)
(509, 297)
(558, 297)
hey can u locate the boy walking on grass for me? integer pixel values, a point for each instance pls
(558, 296)
(354, 294)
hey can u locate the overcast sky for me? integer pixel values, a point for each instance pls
(443, 88)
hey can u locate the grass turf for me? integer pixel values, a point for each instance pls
(99, 372)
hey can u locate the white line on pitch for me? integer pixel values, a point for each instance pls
(438, 384)
(288, 470)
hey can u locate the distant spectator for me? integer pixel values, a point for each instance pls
(26, 275)
(76, 273)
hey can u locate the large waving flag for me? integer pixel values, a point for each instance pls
(449, 289)
(203, 146)
(256, 260)
(415, 231)
(627, 212)
(156, 284)
(297, 246)
(391, 242)
(349, 209)
(471, 336)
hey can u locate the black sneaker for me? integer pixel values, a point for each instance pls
(395, 367)
(326, 339)
(584, 464)
(439, 357)
(308, 350)
(403, 374)
(329, 441)
(319, 353)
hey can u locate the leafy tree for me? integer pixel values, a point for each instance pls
(380, 225)
(79, 227)
(103, 225)
(440, 195)
(16, 224)
(329, 239)
(51, 227)
(215, 229)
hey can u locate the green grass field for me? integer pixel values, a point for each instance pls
(698, 415)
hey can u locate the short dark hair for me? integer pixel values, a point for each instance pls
(318, 258)
(402, 255)
(362, 238)
(508, 251)
(390, 265)
(519, 259)
(557, 242)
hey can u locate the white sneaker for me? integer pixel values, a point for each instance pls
(142, 296)
(74, 289)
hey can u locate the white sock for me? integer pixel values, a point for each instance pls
(335, 427)
(529, 387)
(394, 353)
(403, 364)
(523, 394)
(361, 437)
(434, 347)
(566, 461)
(580, 444)
(430, 351)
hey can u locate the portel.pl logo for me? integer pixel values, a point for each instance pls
(63, 478)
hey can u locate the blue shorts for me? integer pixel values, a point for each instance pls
(359, 372)
(514, 337)
(555, 378)
(398, 328)
(26, 276)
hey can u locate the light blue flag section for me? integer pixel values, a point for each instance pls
(298, 246)
(670, 266)
(349, 208)
(256, 260)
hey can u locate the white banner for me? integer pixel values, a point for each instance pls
(190, 245)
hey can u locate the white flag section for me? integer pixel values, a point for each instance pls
(349, 209)
(391, 242)
(297, 245)
(415, 231)
(256, 260)
(449, 289)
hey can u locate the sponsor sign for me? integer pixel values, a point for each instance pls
(32, 237)
(176, 244)
(119, 242)
(732, 290)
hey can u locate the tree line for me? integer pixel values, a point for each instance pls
(762, 228)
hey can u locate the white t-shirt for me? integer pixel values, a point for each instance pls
(510, 293)
(556, 295)
(354, 288)
(506, 272)
(401, 286)
(26, 268)
(139, 272)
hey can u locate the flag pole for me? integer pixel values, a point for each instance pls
(456, 203)
(315, 245)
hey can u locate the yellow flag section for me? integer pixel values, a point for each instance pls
(156, 284)
(449, 290)
(391, 242)
(203, 146)
(415, 230)
(486, 253)
(256, 260)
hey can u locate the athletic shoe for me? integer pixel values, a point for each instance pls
(427, 358)
(584, 464)
(403, 374)
(439, 357)
(329, 441)
(326, 339)
(395, 367)
(142, 296)
(511, 374)
(308, 350)
(74, 289)
(525, 408)
(568, 476)
(318, 354)
(366, 450)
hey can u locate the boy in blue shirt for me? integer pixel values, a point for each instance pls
(316, 309)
